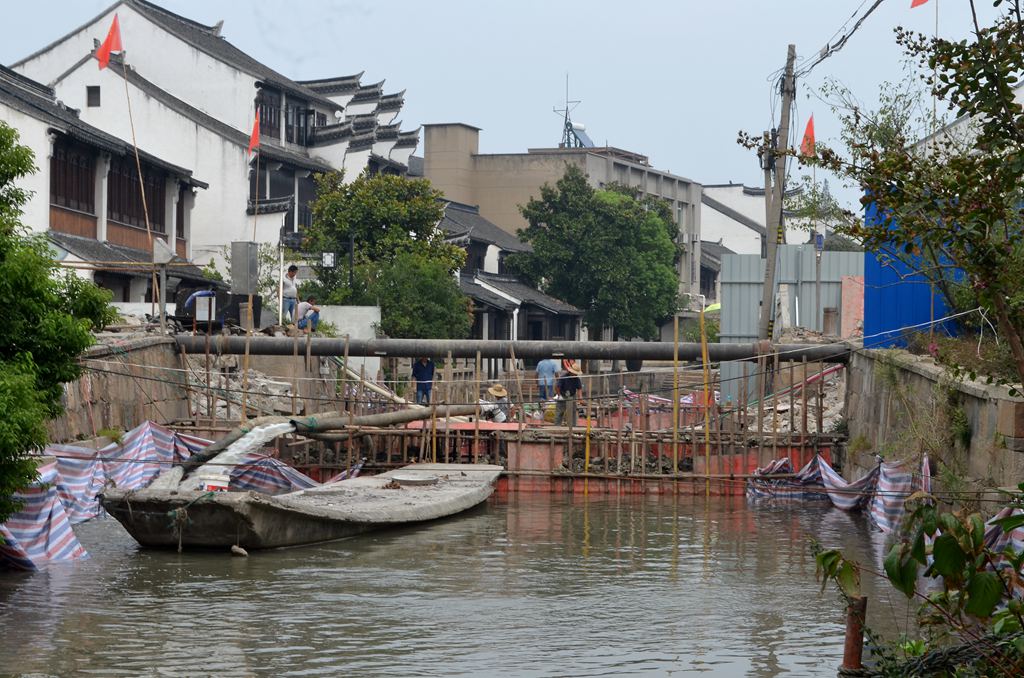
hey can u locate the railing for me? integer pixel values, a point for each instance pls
(69, 221)
(619, 433)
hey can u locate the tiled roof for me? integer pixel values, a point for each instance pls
(465, 220)
(338, 85)
(88, 249)
(513, 286)
(484, 296)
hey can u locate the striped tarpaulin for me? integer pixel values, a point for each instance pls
(261, 473)
(882, 492)
(40, 532)
(895, 483)
(847, 496)
(805, 485)
(140, 456)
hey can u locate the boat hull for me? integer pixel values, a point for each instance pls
(218, 520)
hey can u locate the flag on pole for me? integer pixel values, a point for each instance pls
(807, 145)
(254, 138)
(111, 44)
(917, 3)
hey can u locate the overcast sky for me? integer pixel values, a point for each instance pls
(674, 80)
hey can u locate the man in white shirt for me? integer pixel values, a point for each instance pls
(290, 293)
(308, 315)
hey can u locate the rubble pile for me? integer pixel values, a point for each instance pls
(778, 409)
(266, 394)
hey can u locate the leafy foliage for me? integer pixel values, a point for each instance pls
(951, 204)
(384, 215)
(48, 319)
(401, 260)
(420, 298)
(969, 592)
(608, 252)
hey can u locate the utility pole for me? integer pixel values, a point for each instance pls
(774, 207)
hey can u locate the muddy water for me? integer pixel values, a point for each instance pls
(529, 585)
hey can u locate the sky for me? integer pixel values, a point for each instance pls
(675, 80)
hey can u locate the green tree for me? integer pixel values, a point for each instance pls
(419, 297)
(48, 318)
(383, 215)
(951, 202)
(607, 252)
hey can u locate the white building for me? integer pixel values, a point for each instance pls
(85, 194)
(194, 96)
(733, 215)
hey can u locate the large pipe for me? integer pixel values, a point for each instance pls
(490, 348)
(334, 423)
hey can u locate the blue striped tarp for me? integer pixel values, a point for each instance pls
(40, 532)
(882, 491)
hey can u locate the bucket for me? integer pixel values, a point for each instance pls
(215, 483)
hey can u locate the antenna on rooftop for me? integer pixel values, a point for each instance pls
(574, 135)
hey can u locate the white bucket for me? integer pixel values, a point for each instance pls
(215, 483)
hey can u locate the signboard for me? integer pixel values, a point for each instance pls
(327, 259)
(819, 241)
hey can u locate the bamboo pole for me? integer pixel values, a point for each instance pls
(476, 409)
(448, 401)
(675, 393)
(708, 402)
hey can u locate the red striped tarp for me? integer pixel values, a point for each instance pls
(882, 492)
(40, 532)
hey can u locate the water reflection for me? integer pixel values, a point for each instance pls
(536, 585)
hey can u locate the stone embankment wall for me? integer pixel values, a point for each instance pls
(114, 392)
(901, 405)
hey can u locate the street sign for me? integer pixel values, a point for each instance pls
(819, 241)
(327, 259)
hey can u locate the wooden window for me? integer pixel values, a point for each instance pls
(124, 202)
(321, 119)
(269, 106)
(92, 96)
(179, 214)
(73, 177)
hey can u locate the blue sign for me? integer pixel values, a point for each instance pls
(819, 241)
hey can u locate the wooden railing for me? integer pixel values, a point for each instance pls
(71, 222)
(130, 236)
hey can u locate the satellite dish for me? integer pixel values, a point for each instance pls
(338, 115)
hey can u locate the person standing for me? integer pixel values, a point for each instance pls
(290, 293)
(423, 375)
(546, 370)
(308, 314)
(567, 386)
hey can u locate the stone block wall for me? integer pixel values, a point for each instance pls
(902, 405)
(127, 381)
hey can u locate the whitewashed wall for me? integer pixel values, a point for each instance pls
(33, 133)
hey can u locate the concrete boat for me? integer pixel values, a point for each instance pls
(158, 517)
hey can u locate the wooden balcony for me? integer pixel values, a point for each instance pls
(130, 236)
(71, 222)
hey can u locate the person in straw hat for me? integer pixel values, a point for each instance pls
(567, 386)
(500, 406)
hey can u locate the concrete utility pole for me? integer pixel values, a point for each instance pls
(774, 208)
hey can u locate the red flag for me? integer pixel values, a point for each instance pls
(111, 44)
(254, 138)
(917, 3)
(807, 145)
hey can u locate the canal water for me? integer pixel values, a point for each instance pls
(528, 585)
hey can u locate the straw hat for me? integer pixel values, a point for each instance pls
(498, 391)
(570, 367)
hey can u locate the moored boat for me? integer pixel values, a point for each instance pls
(163, 517)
